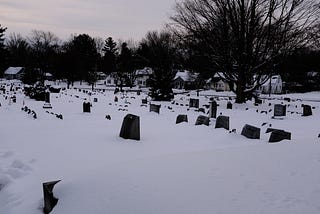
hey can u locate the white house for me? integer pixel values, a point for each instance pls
(276, 85)
(14, 73)
(111, 80)
(183, 78)
(142, 76)
(218, 83)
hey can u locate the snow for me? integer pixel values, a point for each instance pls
(13, 70)
(173, 168)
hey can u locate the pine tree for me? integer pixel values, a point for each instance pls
(2, 50)
(110, 55)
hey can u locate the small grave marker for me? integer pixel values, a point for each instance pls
(222, 122)
(181, 118)
(202, 120)
(251, 132)
(49, 200)
(279, 110)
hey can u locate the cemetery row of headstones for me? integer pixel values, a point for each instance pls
(29, 111)
(59, 116)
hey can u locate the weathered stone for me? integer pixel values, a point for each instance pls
(130, 128)
(194, 103)
(213, 109)
(251, 132)
(229, 105)
(155, 108)
(279, 110)
(279, 135)
(307, 111)
(49, 200)
(222, 122)
(182, 118)
(202, 120)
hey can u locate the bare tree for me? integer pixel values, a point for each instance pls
(245, 38)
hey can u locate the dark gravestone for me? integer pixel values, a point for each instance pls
(201, 110)
(130, 128)
(95, 99)
(271, 130)
(194, 103)
(222, 122)
(251, 132)
(202, 120)
(257, 101)
(144, 101)
(181, 118)
(49, 200)
(279, 135)
(279, 110)
(108, 117)
(307, 111)
(229, 105)
(213, 109)
(155, 108)
(138, 93)
(86, 107)
(287, 99)
(47, 97)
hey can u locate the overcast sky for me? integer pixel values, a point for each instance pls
(121, 19)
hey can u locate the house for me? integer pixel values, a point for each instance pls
(48, 76)
(14, 73)
(142, 76)
(217, 83)
(184, 79)
(276, 85)
(111, 80)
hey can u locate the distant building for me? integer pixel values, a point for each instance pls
(111, 80)
(142, 76)
(48, 76)
(184, 79)
(217, 83)
(14, 73)
(276, 84)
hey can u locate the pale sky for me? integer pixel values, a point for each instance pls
(121, 19)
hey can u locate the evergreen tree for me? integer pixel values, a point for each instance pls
(125, 65)
(110, 55)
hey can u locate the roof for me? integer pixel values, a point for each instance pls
(186, 75)
(144, 71)
(13, 70)
(219, 75)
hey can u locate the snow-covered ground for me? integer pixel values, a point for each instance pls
(175, 169)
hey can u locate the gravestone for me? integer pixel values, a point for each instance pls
(95, 99)
(130, 128)
(201, 110)
(279, 135)
(181, 118)
(202, 120)
(271, 130)
(279, 110)
(86, 107)
(251, 132)
(229, 105)
(144, 101)
(194, 103)
(213, 109)
(307, 111)
(49, 200)
(287, 99)
(47, 97)
(154, 108)
(222, 122)
(257, 100)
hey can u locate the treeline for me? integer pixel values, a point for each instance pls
(245, 40)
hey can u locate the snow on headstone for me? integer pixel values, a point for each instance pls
(222, 122)
(251, 132)
(49, 200)
(130, 128)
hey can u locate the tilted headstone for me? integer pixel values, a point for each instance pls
(194, 103)
(229, 105)
(307, 111)
(155, 108)
(181, 118)
(49, 200)
(279, 110)
(251, 132)
(213, 109)
(279, 135)
(202, 120)
(130, 128)
(222, 122)
(86, 107)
